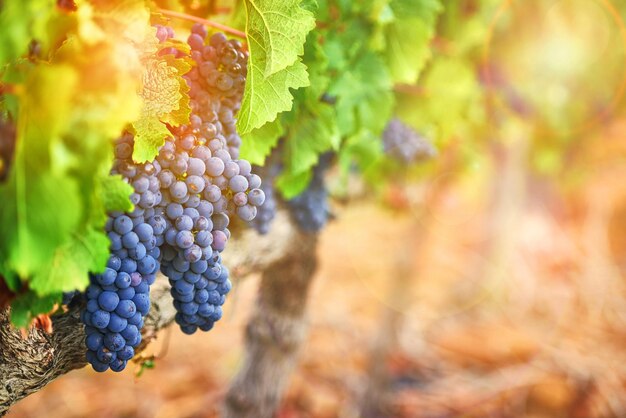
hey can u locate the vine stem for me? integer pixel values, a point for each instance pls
(215, 25)
(7, 88)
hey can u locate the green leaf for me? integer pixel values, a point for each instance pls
(291, 186)
(258, 144)
(276, 31)
(264, 98)
(28, 305)
(408, 37)
(364, 96)
(32, 216)
(309, 136)
(115, 194)
(366, 151)
(457, 105)
(86, 252)
(166, 100)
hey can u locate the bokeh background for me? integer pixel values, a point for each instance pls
(488, 282)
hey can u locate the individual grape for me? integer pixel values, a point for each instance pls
(195, 184)
(122, 280)
(142, 303)
(184, 239)
(196, 167)
(130, 240)
(238, 184)
(100, 319)
(141, 185)
(240, 199)
(116, 323)
(256, 197)
(254, 181)
(219, 240)
(108, 300)
(123, 225)
(231, 169)
(184, 223)
(128, 265)
(215, 167)
(178, 190)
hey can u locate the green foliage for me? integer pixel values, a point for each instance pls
(354, 57)
(25, 20)
(407, 37)
(69, 109)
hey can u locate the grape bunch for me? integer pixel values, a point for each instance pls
(404, 144)
(310, 209)
(204, 184)
(119, 298)
(184, 201)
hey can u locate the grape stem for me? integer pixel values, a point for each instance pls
(7, 88)
(224, 28)
(410, 89)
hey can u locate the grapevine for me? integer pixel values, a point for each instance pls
(159, 147)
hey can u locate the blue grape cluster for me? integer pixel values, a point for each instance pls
(310, 209)
(404, 144)
(119, 298)
(203, 183)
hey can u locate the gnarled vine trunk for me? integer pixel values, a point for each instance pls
(274, 332)
(29, 363)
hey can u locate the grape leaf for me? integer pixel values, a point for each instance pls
(28, 305)
(408, 36)
(293, 184)
(264, 98)
(32, 219)
(87, 251)
(115, 194)
(309, 136)
(276, 31)
(364, 97)
(258, 144)
(166, 100)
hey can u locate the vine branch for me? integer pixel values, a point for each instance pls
(223, 28)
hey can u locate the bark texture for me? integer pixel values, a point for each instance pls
(29, 363)
(274, 332)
